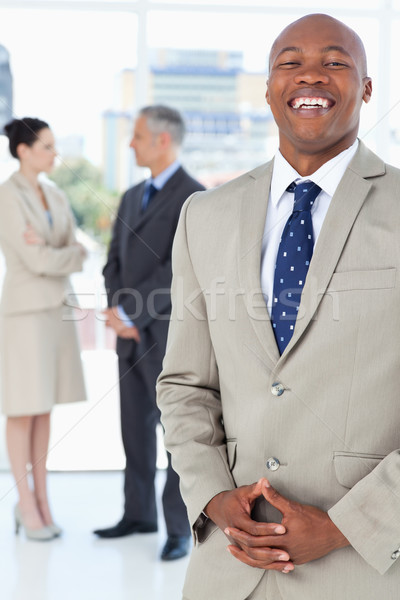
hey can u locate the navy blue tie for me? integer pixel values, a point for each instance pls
(292, 262)
(149, 192)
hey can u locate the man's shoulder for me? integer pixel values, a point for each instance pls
(134, 189)
(232, 191)
(369, 165)
(182, 178)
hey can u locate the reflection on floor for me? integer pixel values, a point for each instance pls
(79, 566)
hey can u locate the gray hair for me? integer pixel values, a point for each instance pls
(163, 118)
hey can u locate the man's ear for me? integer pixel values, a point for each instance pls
(267, 93)
(367, 89)
(164, 139)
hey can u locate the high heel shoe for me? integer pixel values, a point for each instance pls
(42, 534)
(55, 529)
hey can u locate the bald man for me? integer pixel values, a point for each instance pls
(280, 387)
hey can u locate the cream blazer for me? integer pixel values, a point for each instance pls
(334, 430)
(36, 276)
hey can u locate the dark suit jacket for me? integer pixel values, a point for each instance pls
(138, 269)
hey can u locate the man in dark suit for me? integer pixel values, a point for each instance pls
(138, 278)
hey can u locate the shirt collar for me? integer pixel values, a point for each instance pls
(163, 177)
(327, 176)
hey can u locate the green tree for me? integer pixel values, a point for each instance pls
(93, 205)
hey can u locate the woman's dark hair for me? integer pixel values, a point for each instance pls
(23, 131)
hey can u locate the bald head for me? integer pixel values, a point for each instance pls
(322, 23)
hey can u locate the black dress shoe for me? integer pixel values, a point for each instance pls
(126, 527)
(175, 547)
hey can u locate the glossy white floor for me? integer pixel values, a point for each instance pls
(79, 566)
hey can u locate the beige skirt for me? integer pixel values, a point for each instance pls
(40, 363)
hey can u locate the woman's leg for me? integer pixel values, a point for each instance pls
(18, 433)
(39, 448)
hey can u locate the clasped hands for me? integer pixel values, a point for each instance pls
(121, 329)
(305, 533)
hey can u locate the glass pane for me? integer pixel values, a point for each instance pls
(309, 4)
(63, 65)
(97, 4)
(368, 30)
(394, 106)
(217, 76)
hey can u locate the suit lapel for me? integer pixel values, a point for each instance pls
(33, 208)
(135, 207)
(252, 224)
(346, 203)
(159, 200)
(57, 227)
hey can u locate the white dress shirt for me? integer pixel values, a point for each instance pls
(280, 207)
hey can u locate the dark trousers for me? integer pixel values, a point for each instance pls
(139, 419)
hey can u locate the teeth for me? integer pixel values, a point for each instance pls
(310, 102)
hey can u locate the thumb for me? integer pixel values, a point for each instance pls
(255, 490)
(250, 493)
(275, 498)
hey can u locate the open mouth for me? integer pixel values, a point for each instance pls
(310, 103)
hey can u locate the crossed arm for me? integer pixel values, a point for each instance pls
(305, 533)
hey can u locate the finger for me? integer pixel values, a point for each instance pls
(243, 522)
(248, 494)
(128, 334)
(265, 555)
(258, 487)
(273, 565)
(275, 498)
(251, 492)
(256, 533)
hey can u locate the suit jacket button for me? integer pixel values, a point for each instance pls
(277, 389)
(396, 554)
(273, 464)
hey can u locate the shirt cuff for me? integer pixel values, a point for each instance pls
(124, 317)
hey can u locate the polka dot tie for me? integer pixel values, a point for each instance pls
(292, 262)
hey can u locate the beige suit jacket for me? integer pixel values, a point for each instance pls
(37, 275)
(335, 429)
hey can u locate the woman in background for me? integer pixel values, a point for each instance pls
(39, 350)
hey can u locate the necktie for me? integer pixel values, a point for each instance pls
(149, 192)
(292, 262)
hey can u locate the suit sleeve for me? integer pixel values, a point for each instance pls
(38, 259)
(112, 268)
(155, 289)
(188, 390)
(154, 294)
(369, 514)
(149, 299)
